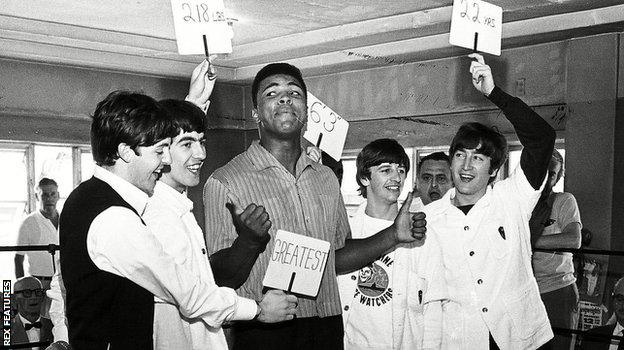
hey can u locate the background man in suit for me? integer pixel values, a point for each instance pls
(599, 337)
(28, 326)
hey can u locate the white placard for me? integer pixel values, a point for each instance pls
(297, 263)
(327, 125)
(195, 18)
(472, 17)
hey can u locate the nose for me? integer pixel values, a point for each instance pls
(467, 163)
(285, 98)
(434, 183)
(166, 156)
(199, 151)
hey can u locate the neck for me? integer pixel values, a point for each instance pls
(463, 199)
(172, 183)
(286, 151)
(385, 211)
(49, 213)
(32, 317)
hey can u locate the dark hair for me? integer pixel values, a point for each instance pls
(485, 140)
(46, 181)
(378, 152)
(437, 156)
(186, 116)
(274, 69)
(127, 117)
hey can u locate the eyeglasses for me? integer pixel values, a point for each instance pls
(27, 293)
(619, 298)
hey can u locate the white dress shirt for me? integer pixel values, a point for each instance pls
(168, 215)
(416, 288)
(33, 334)
(487, 260)
(36, 229)
(119, 243)
(56, 293)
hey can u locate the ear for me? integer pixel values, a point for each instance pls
(125, 152)
(255, 116)
(494, 173)
(365, 182)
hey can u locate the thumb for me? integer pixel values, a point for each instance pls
(406, 205)
(234, 210)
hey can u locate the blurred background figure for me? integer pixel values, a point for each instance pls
(599, 338)
(556, 223)
(28, 326)
(39, 228)
(434, 177)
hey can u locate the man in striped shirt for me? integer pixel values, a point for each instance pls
(301, 196)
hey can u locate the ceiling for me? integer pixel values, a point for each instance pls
(319, 36)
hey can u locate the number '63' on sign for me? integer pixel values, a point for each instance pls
(325, 128)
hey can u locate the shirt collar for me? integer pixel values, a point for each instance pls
(25, 321)
(130, 193)
(178, 201)
(449, 196)
(263, 159)
(618, 328)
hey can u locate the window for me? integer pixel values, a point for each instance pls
(26, 164)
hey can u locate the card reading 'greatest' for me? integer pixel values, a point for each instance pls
(297, 263)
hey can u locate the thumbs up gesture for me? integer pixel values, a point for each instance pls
(252, 223)
(410, 227)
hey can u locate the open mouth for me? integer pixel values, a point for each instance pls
(466, 178)
(195, 168)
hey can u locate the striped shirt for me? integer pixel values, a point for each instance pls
(309, 203)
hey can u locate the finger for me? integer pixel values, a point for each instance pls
(291, 298)
(477, 57)
(266, 226)
(408, 201)
(419, 224)
(211, 58)
(275, 292)
(419, 216)
(256, 213)
(264, 217)
(200, 70)
(247, 212)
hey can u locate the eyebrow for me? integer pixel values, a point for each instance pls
(290, 83)
(189, 138)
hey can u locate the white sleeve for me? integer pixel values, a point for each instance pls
(119, 243)
(56, 293)
(436, 292)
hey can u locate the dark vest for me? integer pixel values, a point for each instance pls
(102, 308)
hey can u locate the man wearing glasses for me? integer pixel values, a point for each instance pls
(28, 326)
(599, 338)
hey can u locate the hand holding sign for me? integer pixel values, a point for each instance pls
(325, 128)
(410, 227)
(477, 25)
(252, 223)
(481, 75)
(277, 306)
(202, 84)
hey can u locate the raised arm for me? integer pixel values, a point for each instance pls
(534, 133)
